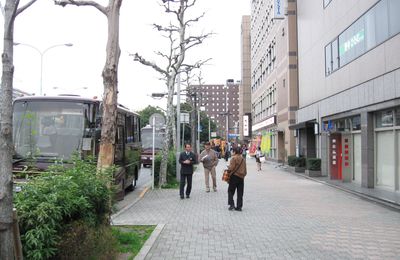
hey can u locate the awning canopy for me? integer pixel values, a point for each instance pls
(307, 124)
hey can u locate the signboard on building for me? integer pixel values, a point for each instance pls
(246, 131)
(265, 123)
(213, 134)
(279, 9)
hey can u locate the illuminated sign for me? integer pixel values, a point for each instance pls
(278, 9)
(352, 42)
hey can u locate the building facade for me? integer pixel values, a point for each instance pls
(244, 87)
(274, 80)
(349, 89)
(221, 104)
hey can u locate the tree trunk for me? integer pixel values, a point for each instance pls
(110, 81)
(6, 143)
(169, 122)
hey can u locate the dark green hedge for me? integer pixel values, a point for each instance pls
(314, 164)
(296, 161)
(292, 160)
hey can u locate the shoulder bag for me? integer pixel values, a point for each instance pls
(226, 175)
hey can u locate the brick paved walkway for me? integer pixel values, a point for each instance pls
(284, 217)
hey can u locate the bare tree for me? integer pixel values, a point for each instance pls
(110, 77)
(10, 11)
(179, 43)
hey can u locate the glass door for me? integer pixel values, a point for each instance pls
(357, 166)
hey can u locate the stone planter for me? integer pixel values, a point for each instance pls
(291, 168)
(299, 169)
(311, 173)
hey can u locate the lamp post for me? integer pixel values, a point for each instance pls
(209, 127)
(42, 53)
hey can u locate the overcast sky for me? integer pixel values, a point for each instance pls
(70, 69)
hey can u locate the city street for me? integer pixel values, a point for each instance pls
(284, 216)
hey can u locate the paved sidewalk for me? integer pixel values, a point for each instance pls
(284, 217)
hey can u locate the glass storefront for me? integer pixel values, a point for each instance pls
(387, 140)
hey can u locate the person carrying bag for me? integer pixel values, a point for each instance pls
(237, 171)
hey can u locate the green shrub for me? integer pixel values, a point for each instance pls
(60, 196)
(314, 164)
(171, 167)
(300, 162)
(292, 160)
(296, 161)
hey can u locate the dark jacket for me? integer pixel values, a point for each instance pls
(187, 168)
(237, 166)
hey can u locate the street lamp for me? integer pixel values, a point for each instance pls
(42, 53)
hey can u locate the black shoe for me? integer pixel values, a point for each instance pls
(238, 209)
(231, 208)
(187, 196)
(182, 197)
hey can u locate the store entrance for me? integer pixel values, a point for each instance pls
(335, 156)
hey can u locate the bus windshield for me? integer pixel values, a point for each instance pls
(48, 129)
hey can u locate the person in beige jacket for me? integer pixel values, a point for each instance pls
(209, 159)
(238, 170)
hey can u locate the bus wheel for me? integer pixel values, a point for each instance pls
(132, 186)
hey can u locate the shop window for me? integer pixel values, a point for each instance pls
(356, 123)
(384, 119)
(397, 116)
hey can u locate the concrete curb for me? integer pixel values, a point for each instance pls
(382, 202)
(141, 195)
(149, 242)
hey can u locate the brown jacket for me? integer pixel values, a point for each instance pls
(238, 161)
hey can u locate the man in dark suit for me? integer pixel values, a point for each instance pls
(186, 159)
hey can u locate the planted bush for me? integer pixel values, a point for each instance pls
(171, 168)
(300, 162)
(60, 196)
(292, 160)
(313, 164)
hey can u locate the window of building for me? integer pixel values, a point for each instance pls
(356, 123)
(394, 17)
(397, 116)
(377, 25)
(384, 119)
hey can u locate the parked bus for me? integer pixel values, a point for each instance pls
(50, 129)
(147, 143)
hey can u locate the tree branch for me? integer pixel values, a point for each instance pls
(98, 6)
(23, 8)
(138, 58)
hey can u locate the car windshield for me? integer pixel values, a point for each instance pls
(48, 129)
(147, 139)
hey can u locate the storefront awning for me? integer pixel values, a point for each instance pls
(307, 124)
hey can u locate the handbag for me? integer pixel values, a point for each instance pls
(226, 175)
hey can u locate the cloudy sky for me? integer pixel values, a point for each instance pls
(72, 69)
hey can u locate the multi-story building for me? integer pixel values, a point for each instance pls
(274, 81)
(349, 89)
(244, 87)
(221, 103)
